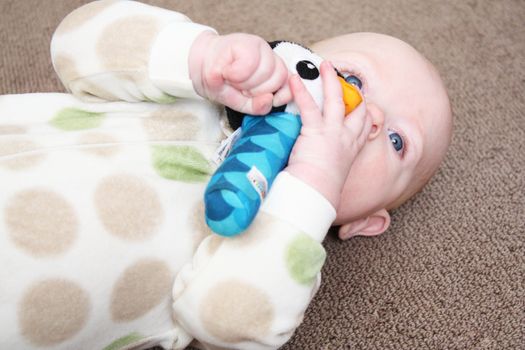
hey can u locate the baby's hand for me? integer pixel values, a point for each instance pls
(239, 70)
(329, 141)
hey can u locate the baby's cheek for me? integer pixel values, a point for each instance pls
(367, 187)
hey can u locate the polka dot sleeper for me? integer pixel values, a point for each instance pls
(102, 233)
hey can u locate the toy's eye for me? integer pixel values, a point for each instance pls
(352, 79)
(397, 141)
(307, 70)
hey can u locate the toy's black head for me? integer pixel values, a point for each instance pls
(299, 60)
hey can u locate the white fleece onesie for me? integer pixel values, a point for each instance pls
(103, 243)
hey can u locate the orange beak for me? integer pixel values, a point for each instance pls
(351, 96)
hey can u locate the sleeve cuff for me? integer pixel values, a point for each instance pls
(168, 64)
(292, 200)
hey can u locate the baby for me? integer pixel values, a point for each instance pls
(101, 222)
(411, 127)
(407, 109)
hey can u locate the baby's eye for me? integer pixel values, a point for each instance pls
(352, 79)
(397, 141)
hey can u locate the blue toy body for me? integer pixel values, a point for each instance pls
(235, 192)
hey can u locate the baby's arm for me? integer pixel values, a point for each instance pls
(125, 50)
(251, 291)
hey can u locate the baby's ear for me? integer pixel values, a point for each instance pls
(372, 225)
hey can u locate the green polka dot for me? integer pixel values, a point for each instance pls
(165, 99)
(126, 340)
(71, 119)
(304, 258)
(181, 163)
(162, 99)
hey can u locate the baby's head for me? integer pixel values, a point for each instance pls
(412, 124)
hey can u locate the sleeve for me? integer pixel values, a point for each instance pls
(251, 291)
(125, 50)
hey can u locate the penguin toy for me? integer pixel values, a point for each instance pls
(262, 147)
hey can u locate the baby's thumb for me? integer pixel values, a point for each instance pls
(236, 100)
(237, 71)
(358, 112)
(357, 119)
(262, 104)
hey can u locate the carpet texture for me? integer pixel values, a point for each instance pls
(450, 272)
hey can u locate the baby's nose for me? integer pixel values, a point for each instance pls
(378, 118)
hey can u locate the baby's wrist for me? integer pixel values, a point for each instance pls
(198, 52)
(318, 180)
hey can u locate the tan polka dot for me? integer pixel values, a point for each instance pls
(108, 144)
(93, 90)
(141, 287)
(171, 124)
(52, 311)
(66, 69)
(41, 222)
(18, 147)
(234, 311)
(90, 91)
(198, 224)
(8, 129)
(130, 51)
(128, 207)
(82, 15)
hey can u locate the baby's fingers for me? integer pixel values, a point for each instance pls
(283, 96)
(241, 65)
(334, 108)
(359, 124)
(234, 99)
(310, 113)
(268, 79)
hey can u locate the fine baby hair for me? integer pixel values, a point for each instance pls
(262, 146)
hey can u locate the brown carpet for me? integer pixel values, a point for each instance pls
(450, 272)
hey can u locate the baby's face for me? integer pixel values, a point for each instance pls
(411, 121)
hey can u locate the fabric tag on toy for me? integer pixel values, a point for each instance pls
(225, 147)
(258, 181)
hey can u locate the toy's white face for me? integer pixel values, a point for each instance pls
(304, 63)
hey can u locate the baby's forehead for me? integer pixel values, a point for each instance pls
(362, 40)
(383, 49)
(396, 63)
(387, 63)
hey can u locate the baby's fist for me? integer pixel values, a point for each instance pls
(238, 70)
